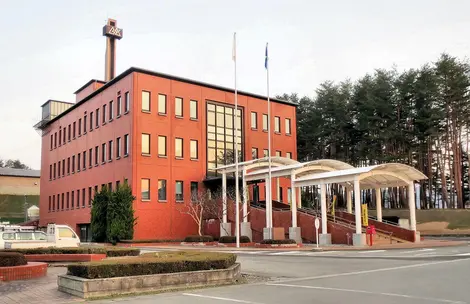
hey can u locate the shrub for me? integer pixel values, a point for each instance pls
(153, 263)
(10, 259)
(110, 252)
(278, 242)
(233, 239)
(120, 215)
(150, 241)
(199, 239)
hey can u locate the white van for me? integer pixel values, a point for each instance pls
(56, 236)
(20, 236)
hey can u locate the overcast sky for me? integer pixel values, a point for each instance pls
(48, 49)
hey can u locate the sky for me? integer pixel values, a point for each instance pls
(49, 48)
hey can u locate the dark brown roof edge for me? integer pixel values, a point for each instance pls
(88, 83)
(168, 76)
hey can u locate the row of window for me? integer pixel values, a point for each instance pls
(75, 199)
(162, 146)
(254, 153)
(277, 123)
(108, 151)
(162, 105)
(162, 190)
(68, 133)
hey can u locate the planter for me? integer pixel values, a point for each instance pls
(30, 271)
(64, 257)
(93, 288)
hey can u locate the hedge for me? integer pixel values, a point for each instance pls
(10, 259)
(110, 252)
(278, 242)
(199, 239)
(233, 239)
(153, 263)
(150, 241)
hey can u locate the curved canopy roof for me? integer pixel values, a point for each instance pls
(276, 161)
(378, 176)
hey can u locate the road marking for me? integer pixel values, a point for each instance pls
(372, 251)
(321, 252)
(424, 254)
(371, 271)
(284, 253)
(416, 251)
(369, 292)
(219, 298)
(463, 254)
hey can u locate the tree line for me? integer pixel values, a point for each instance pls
(418, 117)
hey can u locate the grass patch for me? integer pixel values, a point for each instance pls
(153, 263)
(10, 259)
(110, 252)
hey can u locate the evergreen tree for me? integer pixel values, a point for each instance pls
(120, 215)
(99, 210)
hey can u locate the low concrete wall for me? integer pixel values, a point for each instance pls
(93, 288)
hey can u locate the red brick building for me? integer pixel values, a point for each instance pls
(165, 135)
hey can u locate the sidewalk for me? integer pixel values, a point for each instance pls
(312, 247)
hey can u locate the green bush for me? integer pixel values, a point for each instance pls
(199, 239)
(110, 252)
(153, 263)
(150, 241)
(278, 242)
(10, 259)
(233, 239)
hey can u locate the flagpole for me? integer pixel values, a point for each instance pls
(270, 224)
(237, 194)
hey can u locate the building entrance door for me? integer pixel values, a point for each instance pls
(85, 232)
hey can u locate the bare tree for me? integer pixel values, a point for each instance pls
(201, 205)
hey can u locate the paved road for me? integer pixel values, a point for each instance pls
(296, 278)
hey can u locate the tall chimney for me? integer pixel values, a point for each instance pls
(112, 32)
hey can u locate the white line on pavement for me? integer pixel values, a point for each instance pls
(371, 271)
(371, 251)
(369, 292)
(463, 254)
(416, 251)
(321, 252)
(284, 253)
(219, 298)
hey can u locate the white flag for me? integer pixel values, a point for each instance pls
(234, 50)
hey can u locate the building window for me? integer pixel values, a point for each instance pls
(162, 189)
(118, 105)
(97, 125)
(104, 114)
(193, 109)
(161, 145)
(265, 122)
(278, 153)
(110, 150)
(58, 202)
(79, 127)
(69, 134)
(90, 196)
(103, 153)
(118, 183)
(68, 165)
(58, 168)
(145, 189)
(63, 167)
(54, 170)
(111, 110)
(287, 126)
(126, 145)
(179, 147)
(277, 124)
(49, 204)
(73, 199)
(55, 140)
(254, 153)
(127, 102)
(254, 120)
(179, 191)
(60, 137)
(97, 151)
(194, 191)
(91, 121)
(110, 187)
(90, 157)
(73, 164)
(281, 199)
(145, 101)
(63, 201)
(52, 141)
(64, 133)
(145, 144)
(193, 149)
(84, 123)
(289, 155)
(68, 200)
(221, 136)
(84, 160)
(78, 198)
(161, 104)
(265, 153)
(83, 197)
(74, 129)
(79, 159)
(53, 203)
(118, 147)
(289, 196)
(50, 172)
(178, 107)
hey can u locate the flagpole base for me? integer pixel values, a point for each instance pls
(325, 239)
(267, 233)
(245, 230)
(225, 229)
(295, 234)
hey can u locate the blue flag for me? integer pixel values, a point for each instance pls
(266, 57)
